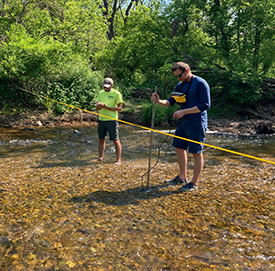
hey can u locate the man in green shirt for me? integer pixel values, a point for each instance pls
(109, 103)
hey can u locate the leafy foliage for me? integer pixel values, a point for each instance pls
(46, 46)
(141, 46)
(239, 89)
(162, 114)
(50, 69)
(46, 53)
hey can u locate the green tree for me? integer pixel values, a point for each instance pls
(114, 11)
(73, 22)
(141, 47)
(235, 39)
(49, 47)
(49, 68)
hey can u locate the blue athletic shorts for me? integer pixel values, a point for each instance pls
(190, 130)
(110, 126)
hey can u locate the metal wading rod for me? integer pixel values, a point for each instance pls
(151, 141)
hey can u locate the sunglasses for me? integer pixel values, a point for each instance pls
(179, 75)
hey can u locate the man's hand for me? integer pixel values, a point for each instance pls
(155, 98)
(179, 114)
(100, 105)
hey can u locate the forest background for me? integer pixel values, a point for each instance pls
(63, 50)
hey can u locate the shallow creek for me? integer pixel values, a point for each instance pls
(62, 211)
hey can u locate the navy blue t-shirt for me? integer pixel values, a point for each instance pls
(198, 95)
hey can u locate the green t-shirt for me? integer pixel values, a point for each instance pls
(111, 98)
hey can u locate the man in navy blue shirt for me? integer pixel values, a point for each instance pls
(193, 125)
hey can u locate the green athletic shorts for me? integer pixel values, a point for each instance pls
(110, 126)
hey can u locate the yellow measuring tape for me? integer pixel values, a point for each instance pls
(160, 132)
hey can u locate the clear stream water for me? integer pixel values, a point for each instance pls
(60, 211)
(82, 142)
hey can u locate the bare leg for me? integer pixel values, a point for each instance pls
(118, 151)
(182, 161)
(101, 148)
(198, 165)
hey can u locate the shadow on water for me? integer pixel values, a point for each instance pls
(61, 211)
(72, 163)
(125, 197)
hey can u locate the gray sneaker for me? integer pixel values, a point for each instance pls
(176, 181)
(188, 187)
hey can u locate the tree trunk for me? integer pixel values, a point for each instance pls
(3, 5)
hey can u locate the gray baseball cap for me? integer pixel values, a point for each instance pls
(108, 82)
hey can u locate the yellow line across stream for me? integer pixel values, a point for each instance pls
(160, 132)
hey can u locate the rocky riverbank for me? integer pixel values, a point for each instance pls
(253, 125)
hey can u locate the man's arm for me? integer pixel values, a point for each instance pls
(180, 113)
(118, 108)
(155, 98)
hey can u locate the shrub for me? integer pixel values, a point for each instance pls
(162, 114)
(48, 68)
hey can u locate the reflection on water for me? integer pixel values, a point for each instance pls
(60, 211)
(81, 142)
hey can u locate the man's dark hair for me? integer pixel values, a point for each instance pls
(181, 66)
